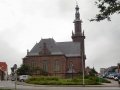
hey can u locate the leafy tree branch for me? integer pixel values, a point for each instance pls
(106, 9)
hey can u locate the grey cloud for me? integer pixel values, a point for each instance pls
(9, 55)
(66, 5)
(11, 33)
(102, 39)
(103, 42)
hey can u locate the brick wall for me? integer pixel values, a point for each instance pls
(77, 63)
(37, 61)
(64, 62)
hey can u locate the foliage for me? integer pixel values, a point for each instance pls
(47, 80)
(44, 78)
(93, 72)
(12, 69)
(26, 70)
(98, 79)
(23, 70)
(106, 9)
(103, 80)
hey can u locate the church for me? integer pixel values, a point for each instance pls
(52, 58)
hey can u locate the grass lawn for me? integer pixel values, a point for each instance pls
(46, 80)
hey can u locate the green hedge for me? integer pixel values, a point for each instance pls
(45, 80)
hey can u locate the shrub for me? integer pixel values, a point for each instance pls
(75, 80)
(47, 80)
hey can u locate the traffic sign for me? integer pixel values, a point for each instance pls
(15, 66)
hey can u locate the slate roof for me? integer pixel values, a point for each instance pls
(68, 49)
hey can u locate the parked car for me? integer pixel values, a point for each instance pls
(22, 78)
(111, 76)
(12, 78)
(115, 78)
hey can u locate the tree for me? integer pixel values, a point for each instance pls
(26, 70)
(106, 9)
(23, 70)
(93, 72)
(12, 69)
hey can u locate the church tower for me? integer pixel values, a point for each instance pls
(77, 35)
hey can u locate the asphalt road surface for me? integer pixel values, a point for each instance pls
(9, 84)
(68, 88)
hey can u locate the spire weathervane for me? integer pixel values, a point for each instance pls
(77, 14)
(76, 2)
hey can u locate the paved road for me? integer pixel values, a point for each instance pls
(9, 84)
(68, 88)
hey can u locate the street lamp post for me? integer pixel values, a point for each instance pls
(82, 58)
(15, 71)
(16, 79)
(83, 68)
(72, 70)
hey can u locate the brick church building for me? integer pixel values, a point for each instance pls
(59, 58)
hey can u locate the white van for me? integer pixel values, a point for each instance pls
(22, 78)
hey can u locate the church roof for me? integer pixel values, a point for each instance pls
(68, 49)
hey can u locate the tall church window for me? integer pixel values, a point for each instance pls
(57, 66)
(71, 67)
(32, 64)
(45, 65)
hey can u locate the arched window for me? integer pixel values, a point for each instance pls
(56, 66)
(45, 65)
(70, 65)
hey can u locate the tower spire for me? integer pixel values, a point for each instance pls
(76, 36)
(77, 14)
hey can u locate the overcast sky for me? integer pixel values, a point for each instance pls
(25, 22)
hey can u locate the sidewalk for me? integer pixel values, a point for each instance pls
(112, 84)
